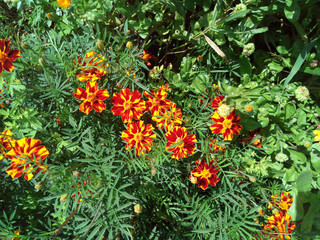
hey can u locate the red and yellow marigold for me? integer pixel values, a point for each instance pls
(157, 101)
(6, 142)
(7, 56)
(1, 104)
(26, 153)
(169, 118)
(217, 147)
(216, 102)
(283, 202)
(205, 173)
(140, 136)
(92, 68)
(147, 56)
(279, 226)
(128, 105)
(227, 126)
(180, 143)
(92, 98)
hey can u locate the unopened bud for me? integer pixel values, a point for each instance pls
(39, 185)
(199, 58)
(314, 63)
(41, 61)
(252, 179)
(193, 179)
(137, 208)
(154, 171)
(281, 157)
(63, 198)
(302, 93)
(49, 16)
(248, 49)
(77, 174)
(129, 45)
(25, 46)
(100, 44)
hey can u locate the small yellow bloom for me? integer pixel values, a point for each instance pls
(138, 208)
(249, 108)
(317, 133)
(64, 3)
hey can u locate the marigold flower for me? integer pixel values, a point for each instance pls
(216, 102)
(16, 232)
(92, 68)
(157, 101)
(216, 147)
(26, 153)
(128, 105)
(254, 134)
(92, 98)
(139, 135)
(147, 56)
(249, 108)
(64, 3)
(7, 56)
(227, 126)
(180, 143)
(205, 173)
(169, 118)
(6, 142)
(283, 202)
(279, 226)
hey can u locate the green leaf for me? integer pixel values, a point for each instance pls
(292, 10)
(186, 65)
(301, 117)
(303, 182)
(315, 157)
(302, 57)
(297, 157)
(296, 210)
(291, 175)
(289, 110)
(245, 65)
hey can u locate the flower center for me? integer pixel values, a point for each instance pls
(127, 105)
(180, 141)
(91, 97)
(3, 57)
(205, 173)
(139, 137)
(227, 123)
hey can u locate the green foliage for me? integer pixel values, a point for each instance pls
(265, 51)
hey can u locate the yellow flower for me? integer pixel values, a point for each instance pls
(64, 3)
(317, 133)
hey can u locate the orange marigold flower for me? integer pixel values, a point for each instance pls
(216, 102)
(92, 98)
(180, 143)
(157, 101)
(64, 3)
(92, 68)
(216, 147)
(139, 135)
(128, 104)
(283, 202)
(165, 87)
(279, 226)
(205, 173)
(6, 142)
(7, 56)
(249, 108)
(26, 153)
(148, 56)
(227, 126)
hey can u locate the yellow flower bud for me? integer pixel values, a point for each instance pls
(39, 185)
(249, 108)
(77, 174)
(137, 208)
(41, 61)
(100, 44)
(193, 179)
(63, 197)
(129, 45)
